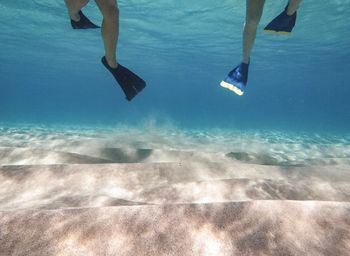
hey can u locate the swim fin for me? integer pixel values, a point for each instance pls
(237, 79)
(283, 24)
(130, 83)
(83, 23)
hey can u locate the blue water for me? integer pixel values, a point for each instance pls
(51, 74)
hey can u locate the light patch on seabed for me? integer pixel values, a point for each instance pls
(74, 245)
(112, 190)
(207, 242)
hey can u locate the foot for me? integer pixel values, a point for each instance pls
(237, 79)
(83, 22)
(283, 24)
(130, 83)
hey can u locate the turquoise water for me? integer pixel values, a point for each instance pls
(52, 75)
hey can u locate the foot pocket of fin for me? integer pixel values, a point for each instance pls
(83, 23)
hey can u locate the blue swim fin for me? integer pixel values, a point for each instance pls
(237, 79)
(83, 23)
(283, 24)
(130, 83)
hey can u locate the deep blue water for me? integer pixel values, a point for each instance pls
(51, 74)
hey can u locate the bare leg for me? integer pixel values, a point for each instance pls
(110, 29)
(74, 6)
(293, 6)
(254, 11)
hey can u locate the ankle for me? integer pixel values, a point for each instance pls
(292, 7)
(246, 61)
(290, 12)
(112, 62)
(74, 16)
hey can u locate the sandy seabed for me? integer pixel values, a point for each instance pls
(170, 192)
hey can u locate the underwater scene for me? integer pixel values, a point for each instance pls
(155, 152)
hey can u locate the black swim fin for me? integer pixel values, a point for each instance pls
(130, 83)
(283, 24)
(83, 23)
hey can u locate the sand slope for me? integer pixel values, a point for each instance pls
(86, 185)
(113, 203)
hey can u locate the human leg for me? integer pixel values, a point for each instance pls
(237, 79)
(130, 83)
(110, 29)
(254, 10)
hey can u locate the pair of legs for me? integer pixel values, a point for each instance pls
(110, 24)
(254, 11)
